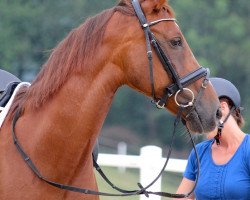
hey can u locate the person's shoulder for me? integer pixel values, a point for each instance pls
(245, 148)
(246, 151)
(247, 142)
(204, 145)
(248, 137)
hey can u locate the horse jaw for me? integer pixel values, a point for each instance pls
(195, 124)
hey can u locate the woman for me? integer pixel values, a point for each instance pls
(225, 157)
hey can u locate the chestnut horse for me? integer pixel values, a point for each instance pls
(63, 110)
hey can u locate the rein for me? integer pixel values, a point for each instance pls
(142, 190)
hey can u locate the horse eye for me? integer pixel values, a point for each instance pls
(176, 42)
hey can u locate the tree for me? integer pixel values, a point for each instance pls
(29, 29)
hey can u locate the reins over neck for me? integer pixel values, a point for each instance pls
(142, 190)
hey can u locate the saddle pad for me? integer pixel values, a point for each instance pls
(4, 111)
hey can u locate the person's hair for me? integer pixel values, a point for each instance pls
(236, 113)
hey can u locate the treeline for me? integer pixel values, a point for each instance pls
(217, 32)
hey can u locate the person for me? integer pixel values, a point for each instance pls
(224, 157)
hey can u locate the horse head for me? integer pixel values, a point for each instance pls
(171, 63)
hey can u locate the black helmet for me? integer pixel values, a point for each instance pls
(6, 78)
(225, 88)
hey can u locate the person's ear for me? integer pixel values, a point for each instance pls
(224, 107)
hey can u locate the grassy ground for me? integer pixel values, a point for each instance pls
(129, 179)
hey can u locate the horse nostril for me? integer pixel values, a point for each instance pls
(219, 113)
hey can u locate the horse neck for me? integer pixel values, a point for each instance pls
(62, 133)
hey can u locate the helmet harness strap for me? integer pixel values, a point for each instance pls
(221, 126)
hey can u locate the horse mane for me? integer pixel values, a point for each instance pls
(72, 54)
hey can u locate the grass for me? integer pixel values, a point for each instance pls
(128, 180)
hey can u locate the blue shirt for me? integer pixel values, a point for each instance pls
(230, 181)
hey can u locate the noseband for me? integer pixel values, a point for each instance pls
(179, 84)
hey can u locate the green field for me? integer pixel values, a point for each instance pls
(130, 178)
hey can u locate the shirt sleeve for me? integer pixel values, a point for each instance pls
(190, 171)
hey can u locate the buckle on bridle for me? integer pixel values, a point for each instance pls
(204, 83)
(158, 105)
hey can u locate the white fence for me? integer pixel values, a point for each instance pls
(149, 162)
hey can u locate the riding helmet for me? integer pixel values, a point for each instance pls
(225, 88)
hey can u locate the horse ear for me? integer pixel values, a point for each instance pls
(150, 6)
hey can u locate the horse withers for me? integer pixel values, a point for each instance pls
(63, 110)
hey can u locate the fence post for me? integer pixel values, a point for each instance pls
(150, 157)
(122, 150)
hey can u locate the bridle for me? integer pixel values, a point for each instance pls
(179, 84)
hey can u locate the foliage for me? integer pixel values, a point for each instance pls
(29, 29)
(217, 31)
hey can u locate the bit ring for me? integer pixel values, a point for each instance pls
(191, 103)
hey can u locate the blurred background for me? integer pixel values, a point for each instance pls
(216, 30)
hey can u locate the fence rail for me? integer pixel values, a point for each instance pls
(149, 163)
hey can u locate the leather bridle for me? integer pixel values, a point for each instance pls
(179, 84)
